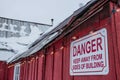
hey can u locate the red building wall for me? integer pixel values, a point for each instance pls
(3, 69)
(115, 24)
(10, 72)
(53, 62)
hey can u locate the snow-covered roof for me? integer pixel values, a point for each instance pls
(51, 34)
(16, 36)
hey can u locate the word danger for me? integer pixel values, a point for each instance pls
(89, 54)
(88, 47)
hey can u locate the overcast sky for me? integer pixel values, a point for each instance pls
(41, 11)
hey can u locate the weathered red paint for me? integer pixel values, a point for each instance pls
(53, 61)
(41, 67)
(116, 37)
(10, 72)
(58, 61)
(66, 58)
(49, 64)
(3, 70)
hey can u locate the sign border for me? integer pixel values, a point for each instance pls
(105, 69)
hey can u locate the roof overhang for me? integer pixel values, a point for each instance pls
(62, 27)
(116, 1)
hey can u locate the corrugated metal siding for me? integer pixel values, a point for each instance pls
(10, 72)
(116, 37)
(53, 61)
(49, 64)
(3, 69)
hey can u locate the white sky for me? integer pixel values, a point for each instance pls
(41, 11)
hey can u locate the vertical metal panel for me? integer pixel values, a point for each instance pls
(36, 68)
(49, 64)
(25, 70)
(106, 22)
(21, 71)
(30, 70)
(117, 22)
(2, 70)
(116, 37)
(66, 59)
(10, 72)
(58, 61)
(40, 73)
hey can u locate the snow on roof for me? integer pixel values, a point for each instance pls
(40, 43)
(50, 34)
(16, 36)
